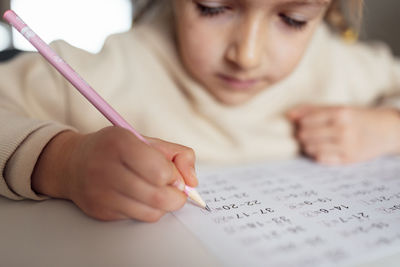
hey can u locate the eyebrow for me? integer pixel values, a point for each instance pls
(308, 2)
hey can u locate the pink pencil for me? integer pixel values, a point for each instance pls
(83, 87)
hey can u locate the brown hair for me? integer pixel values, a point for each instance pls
(141, 8)
(342, 15)
(345, 15)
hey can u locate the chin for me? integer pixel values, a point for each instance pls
(234, 100)
(234, 97)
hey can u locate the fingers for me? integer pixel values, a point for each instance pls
(165, 198)
(317, 135)
(329, 159)
(321, 143)
(325, 153)
(332, 135)
(124, 195)
(320, 132)
(117, 194)
(316, 118)
(183, 157)
(321, 115)
(122, 177)
(132, 209)
(316, 150)
(151, 170)
(157, 162)
(110, 205)
(147, 162)
(299, 112)
(184, 162)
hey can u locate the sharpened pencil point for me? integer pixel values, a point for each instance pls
(207, 208)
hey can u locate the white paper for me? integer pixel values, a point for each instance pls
(298, 213)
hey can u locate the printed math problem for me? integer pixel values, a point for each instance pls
(297, 213)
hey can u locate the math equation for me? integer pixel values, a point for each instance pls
(298, 213)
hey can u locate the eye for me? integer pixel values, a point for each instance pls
(208, 11)
(294, 23)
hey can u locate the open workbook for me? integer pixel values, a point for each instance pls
(298, 213)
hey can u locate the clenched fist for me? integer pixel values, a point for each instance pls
(339, 134)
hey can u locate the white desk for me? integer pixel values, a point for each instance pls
(56, 233)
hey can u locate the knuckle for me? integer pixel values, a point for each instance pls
(157, 199)
(162, 175)
(112, 142)
(345, 136)
(342, 115)
(114, 138)
(190, 154)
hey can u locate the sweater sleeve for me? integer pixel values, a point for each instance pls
(32, 111)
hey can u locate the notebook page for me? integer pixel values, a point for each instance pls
(298, 213)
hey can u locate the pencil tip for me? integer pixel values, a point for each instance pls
(207, 208)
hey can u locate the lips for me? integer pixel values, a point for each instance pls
(238, 84)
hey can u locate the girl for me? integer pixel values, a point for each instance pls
(225, 77)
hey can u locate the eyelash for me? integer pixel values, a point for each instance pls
(207, 11)
(296, 24)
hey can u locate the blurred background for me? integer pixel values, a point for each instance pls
(86, 23)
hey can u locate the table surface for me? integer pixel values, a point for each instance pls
(57, 233)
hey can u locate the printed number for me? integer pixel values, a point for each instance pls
(254, 202)
(231, 206)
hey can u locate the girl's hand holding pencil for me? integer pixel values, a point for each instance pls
(113, 175)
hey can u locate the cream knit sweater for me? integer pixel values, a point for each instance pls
(140, 74)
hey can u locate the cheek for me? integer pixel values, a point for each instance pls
(199, 49)
(287, 58)
(287, 52)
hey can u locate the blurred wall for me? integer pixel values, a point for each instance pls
(382, 22)
(4, 5)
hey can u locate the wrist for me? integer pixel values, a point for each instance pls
(52, 172)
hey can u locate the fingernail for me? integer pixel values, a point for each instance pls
(179, 184)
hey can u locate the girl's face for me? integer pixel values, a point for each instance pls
(236, 48)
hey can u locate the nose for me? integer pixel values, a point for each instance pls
(246, 47)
